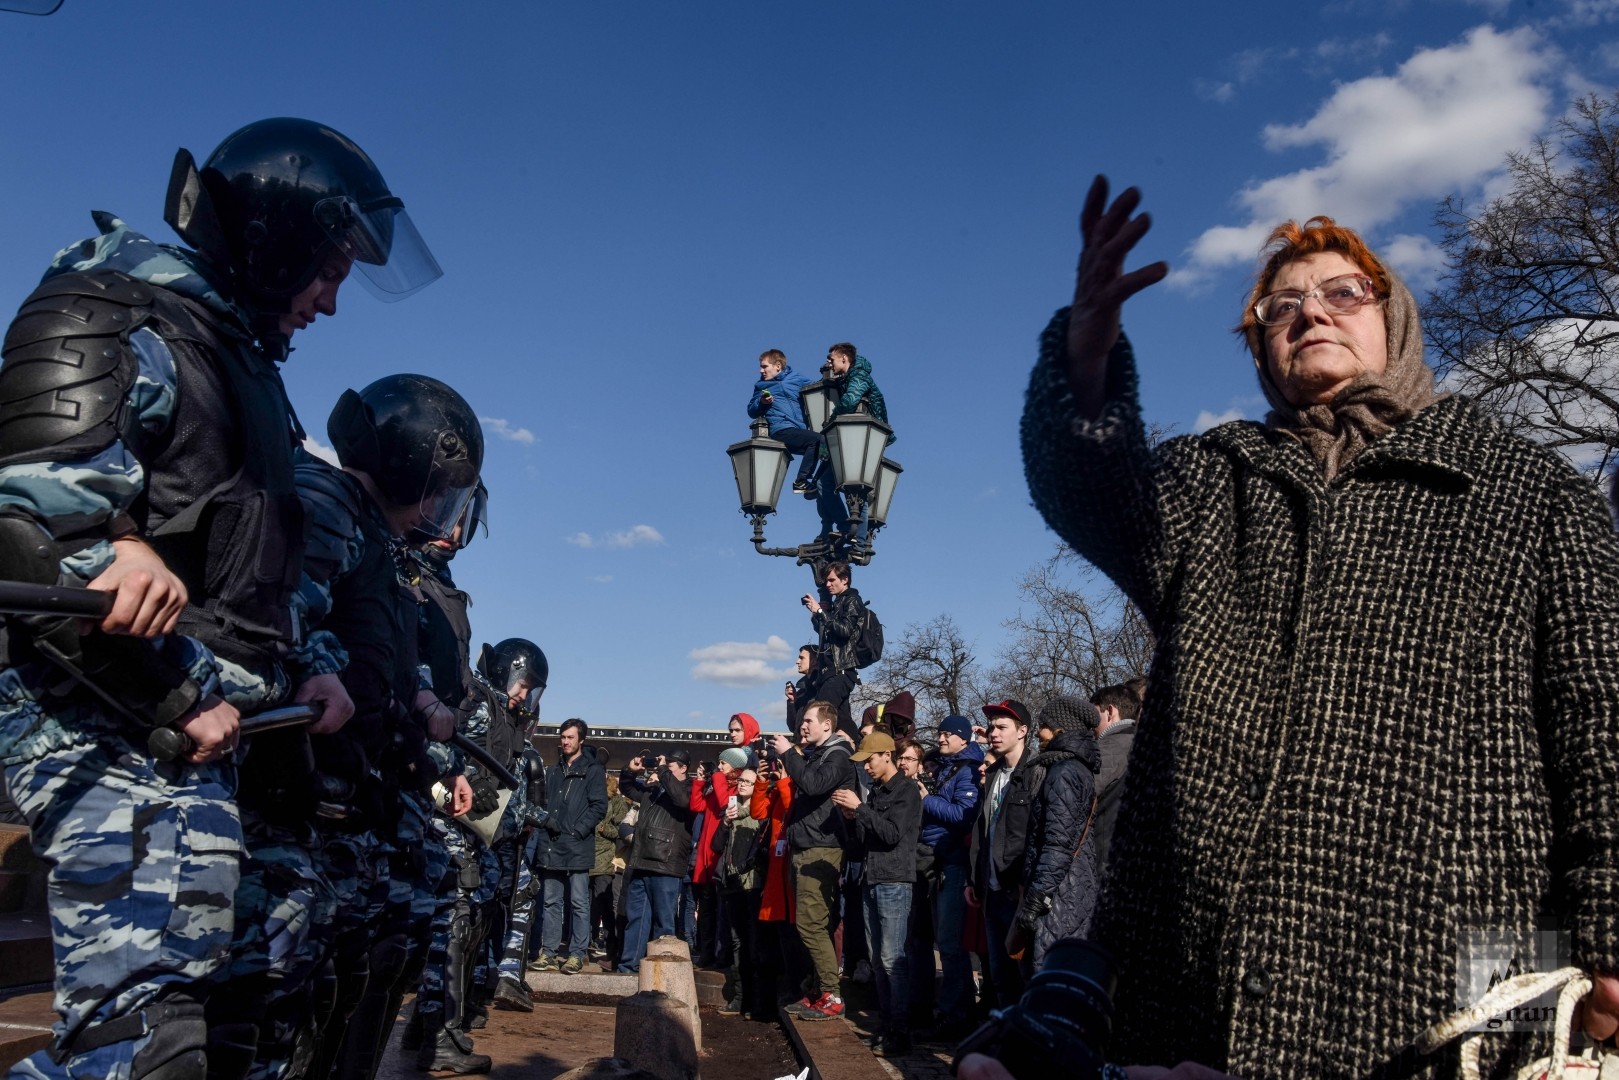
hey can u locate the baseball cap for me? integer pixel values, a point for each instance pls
(875, 743)
(1010, 707)
(682, 756)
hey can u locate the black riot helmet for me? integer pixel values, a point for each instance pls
(513, 661)
(417, 440)
(278, 197)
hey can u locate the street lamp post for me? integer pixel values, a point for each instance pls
(865, 478)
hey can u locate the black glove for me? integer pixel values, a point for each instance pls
(485, 794)
(1036, 906)
(552, 825)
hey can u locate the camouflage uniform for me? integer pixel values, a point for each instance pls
(145, 855)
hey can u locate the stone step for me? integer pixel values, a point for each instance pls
(833, 1051)
(25, 1026)
(710, 987)
(590, 983)
(25, 949)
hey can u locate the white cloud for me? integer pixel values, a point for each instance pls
(695, 714)
(504, 429)
(601, 579)
(582, 539)
(1442, 122)
(320, 449)
(1206, 420)
(742, 663)
(1417, 259)
(635, 536)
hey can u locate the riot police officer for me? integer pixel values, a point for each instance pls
(509, 681)
(411, 449)
(146, 450)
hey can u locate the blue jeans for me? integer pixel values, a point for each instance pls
(576, 884)
(888, 918)
(649, 911)
(949, 922)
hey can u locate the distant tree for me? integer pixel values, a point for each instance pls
(1074, 634)
(1525, 318)
(930, 659)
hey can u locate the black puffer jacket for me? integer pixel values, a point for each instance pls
(1056, 863)
(814, 820)
(663, 825)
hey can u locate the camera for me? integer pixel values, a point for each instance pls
(1060, 1026)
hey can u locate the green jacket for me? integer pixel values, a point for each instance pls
(607, 833)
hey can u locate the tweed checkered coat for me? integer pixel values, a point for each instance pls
(1384, 713)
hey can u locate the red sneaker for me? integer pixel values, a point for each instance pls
(830, 1007)
(807, 1009)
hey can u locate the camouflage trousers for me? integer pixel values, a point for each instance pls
(471, 874)
(145, 862)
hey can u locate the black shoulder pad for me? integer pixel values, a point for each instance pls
(332, 509)
(67, 366)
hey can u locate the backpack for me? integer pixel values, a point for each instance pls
(868, 644)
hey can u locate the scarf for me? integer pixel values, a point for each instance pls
(1369, 407)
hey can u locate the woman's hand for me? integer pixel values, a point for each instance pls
(1101, 287)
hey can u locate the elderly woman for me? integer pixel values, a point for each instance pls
(1383, 718)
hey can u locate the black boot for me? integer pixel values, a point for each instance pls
(451, 1051)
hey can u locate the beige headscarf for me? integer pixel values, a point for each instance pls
(1372, 405)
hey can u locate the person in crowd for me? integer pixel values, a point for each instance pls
(888, 823)
(818, 766)
(576, 803)
(1000, 833)
(909, 756)
(782, 959)
(1059, 856)
(776, 397)
(804, 691)
(949, 807)
(710, 799)
(1117, 708)
(741, 876)
(837, 617)
(899, 715)
(1419, 614)
(662, 852)
(604, 872)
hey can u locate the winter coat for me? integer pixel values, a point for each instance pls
(1059, 857)
(663, 825)
(1011, 826)
(771, 803)
(607, 831)
(1383, 713)
(815, 820)
(838, 623)
(1115, 745)
(710, 799)
(947, 815)
(742, 855)
(857, 390)
(786, 408)
(887, 824)
(575, 802)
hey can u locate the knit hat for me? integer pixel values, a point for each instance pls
(735, 757)
(958, 726)
(1068, 714)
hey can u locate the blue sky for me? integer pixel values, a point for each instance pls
(631, 200)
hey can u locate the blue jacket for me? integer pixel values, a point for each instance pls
(947, 818)
(786, 408)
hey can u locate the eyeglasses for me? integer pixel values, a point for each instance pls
(1344, 293)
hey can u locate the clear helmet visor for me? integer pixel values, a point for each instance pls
(474, 517)
(30, 7)
(521, 692)
(390, 255)
(443, 507)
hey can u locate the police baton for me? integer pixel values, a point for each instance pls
(486, 759)
(24, 598)
(171, 744)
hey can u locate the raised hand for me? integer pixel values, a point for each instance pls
(1101, 286)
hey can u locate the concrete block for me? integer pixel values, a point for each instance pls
(654, 1033)
(667, 968)
(555, 986)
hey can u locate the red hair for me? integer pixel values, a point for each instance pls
(1291, 241)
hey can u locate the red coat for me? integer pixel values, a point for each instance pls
(771, 803)
(710, 798)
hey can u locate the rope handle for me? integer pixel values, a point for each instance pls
(1506, 995)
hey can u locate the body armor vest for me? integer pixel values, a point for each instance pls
(219, 505)
(504, 739)
(446, 637)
